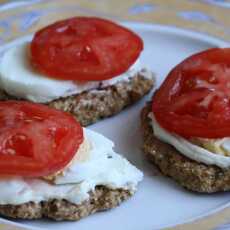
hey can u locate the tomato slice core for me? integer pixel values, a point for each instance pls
(194, 99)
(36, 140)
(84, 48)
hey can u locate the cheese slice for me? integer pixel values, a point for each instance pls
(194, 151)
(98, 166)
(18, 78)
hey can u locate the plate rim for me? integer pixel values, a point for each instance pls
(206, 37)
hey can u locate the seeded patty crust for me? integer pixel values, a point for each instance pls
(93, 105)
(101, 199)
(188, 173)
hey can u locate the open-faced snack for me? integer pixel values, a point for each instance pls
(52, 167)
(87, 66)
(187, 125)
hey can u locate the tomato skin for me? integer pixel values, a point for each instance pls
(85, 49)
(36, 140)
(194, 99)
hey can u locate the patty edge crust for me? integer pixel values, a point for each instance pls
(101, 199)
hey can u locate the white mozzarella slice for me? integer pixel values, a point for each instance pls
(18, 78)
(101, 166)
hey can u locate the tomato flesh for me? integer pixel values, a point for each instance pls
(36, 140)
(84, 48)
(194, 99)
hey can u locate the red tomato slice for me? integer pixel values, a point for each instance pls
(36, 140)
(84, 48)
(194, 99)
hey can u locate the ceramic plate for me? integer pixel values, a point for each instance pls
(159, 202)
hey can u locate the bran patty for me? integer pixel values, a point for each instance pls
(93, 105)
(188, 173)
(101, 199)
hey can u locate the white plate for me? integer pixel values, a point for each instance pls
(159, 201)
